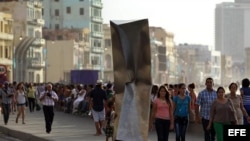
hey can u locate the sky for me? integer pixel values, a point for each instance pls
(191, 21)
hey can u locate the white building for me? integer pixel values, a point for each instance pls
(232, 28)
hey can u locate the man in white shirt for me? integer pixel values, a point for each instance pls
(48, 99)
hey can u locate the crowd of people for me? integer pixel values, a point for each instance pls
(173, 106)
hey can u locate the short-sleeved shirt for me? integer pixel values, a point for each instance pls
(162, 109)
(222, 112)
(236, 103)
(204, 100)
(246, 96)
(47, 101)
(98, 95)
(181, 106)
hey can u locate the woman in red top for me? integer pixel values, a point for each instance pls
(162, 114)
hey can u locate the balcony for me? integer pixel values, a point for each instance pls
(97, 3)
(39, 42)
(97, 34)
(6, 61)
(96, 49)
(36, 64)
(35, 21)
(6, 36)
(37, 4)
(39, 21)
(96, 19)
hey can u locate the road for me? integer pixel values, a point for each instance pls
(70, 127)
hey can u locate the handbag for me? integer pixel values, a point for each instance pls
(233, 117)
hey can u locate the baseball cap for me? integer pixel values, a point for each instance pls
(99, 81)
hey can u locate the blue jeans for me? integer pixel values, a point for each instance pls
(6, 112)
(180, 124)
(209, 134)
(162, 129)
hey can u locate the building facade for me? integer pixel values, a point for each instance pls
(67, 58)
(232, 28)
(28, 61)
(194, 62)
(81, 14)
(6, 43)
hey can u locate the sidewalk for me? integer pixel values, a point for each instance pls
(68, 127)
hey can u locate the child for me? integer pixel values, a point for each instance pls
(110, 116)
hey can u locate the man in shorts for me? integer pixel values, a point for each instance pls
(98, 99)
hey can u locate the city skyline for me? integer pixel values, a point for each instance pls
(195, 29)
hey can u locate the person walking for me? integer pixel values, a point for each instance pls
(98, 98)
(237, 103)
(110, 117)
(182, 108)
(48, 99)
(6, 98)
(31, 97)
(204, 101)
(162, 114)
(222, 113)
(245, 93)
(21, 100)
(193, 97)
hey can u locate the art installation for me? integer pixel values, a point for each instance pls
(132, 79)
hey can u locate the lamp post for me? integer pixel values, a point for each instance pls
(46, 60)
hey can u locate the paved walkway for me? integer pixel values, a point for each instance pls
(69, 127)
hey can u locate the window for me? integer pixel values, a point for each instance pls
(68, 10)
(81, 11)
(6, 52)
(57, 12)
(56, 26)
(1, 48)
(86, 57)
(56, 0)
(107, 42)
(31, 32)
(80, 0)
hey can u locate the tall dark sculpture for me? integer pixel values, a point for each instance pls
(132, 79)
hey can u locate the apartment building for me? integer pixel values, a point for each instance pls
(28, 60)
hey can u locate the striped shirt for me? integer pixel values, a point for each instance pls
(246, 95)
(48, 101)
(204, 100)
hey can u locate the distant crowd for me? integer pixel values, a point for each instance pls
(172, 108)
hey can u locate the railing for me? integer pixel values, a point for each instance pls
(96, 19)
(37, 63)
(6, 36)
(97, 3)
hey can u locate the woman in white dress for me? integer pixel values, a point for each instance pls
(20, 99)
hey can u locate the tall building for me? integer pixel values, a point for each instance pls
(28, 60)
(232, 28)
(6, 43)
(197, 62)
(78, 14)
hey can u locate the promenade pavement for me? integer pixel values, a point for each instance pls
(70, 127)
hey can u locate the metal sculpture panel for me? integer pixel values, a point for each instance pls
(132, 79)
